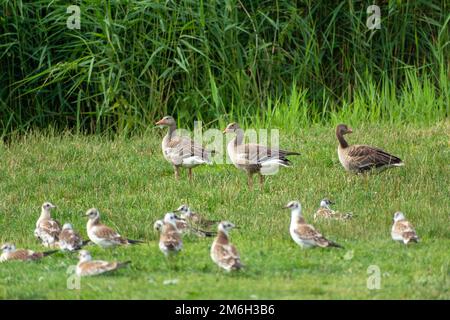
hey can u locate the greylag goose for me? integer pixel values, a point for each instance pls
(194, 218)
(254, 158)
(69, 239)
(223, 253)
(305, 235)
(362, 158)
(102, 235)
(88, 267)
(181, 151)
(47, 229)
(9, 252)
(402, 229)
(325, 212)
(170, 241)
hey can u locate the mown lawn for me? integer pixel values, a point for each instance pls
(132, 185)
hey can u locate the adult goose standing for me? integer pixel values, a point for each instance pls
(362, 158)
(181, 151)
(255, 158)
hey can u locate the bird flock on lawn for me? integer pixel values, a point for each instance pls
(183, 152)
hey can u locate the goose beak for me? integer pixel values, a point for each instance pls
(160, 122)
(284, 207)
(349, 130)
(224, 131)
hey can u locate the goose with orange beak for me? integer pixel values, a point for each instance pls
(181, 151)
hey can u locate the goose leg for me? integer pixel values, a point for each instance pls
(190, 174)
(250, 180)
(261, 180)
(177, 172)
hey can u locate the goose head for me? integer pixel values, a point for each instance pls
(343, 129)
(167, 121)
(232, 128)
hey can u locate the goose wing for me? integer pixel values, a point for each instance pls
(253, 153)
(179, 148)
(366, 157)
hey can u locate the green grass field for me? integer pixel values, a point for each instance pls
(132, 185)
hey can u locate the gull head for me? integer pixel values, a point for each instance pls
(67, 226)
(158, 225)
(399, 216)
(92, 214)
(8, 247)
(185, 210)
(325, 203)
(171, 218)
(226, 226)
(47, 206)
(84, 255)
(293, 205)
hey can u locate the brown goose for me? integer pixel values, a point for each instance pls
(362, 158)
(255, 158)
(181, 151)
